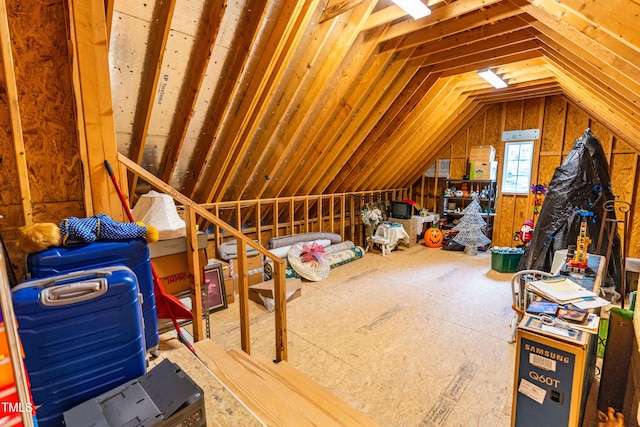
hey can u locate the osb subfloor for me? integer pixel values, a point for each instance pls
(415, 338)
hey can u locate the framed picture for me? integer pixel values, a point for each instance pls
(214, 280)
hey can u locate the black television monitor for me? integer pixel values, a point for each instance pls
(401, 210)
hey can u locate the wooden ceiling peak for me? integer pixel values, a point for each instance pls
(246, 99)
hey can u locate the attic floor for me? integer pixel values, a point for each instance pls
(415, 338)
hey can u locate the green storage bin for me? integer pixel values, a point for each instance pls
(506, 260)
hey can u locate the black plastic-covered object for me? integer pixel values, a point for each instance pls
(581, 183)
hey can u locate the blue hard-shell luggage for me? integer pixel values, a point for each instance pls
(82, 335)
(133, 253)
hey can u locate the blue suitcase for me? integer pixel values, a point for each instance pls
(132, 253)
(82, 335)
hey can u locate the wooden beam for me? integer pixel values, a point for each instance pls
(445, 13)
(590, 99)
(299, 94)
(293, 16)
(197, 69)
(618, 18)
(383, 165)
(390, 14)
(337, 7)
(14, 114)
(108, 13)
(401, 80)
(156, 45)
(478, 60)
(315, 100)
(500, 15)
(470, 52)
(233, 70)
(348, 111)
(502, 57)
(95, 110)
(436, 43)
(591, 77)
(398, 120)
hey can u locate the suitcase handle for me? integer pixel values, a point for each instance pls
(73, 293)
(72, 276)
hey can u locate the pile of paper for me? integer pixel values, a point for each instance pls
(563, 290)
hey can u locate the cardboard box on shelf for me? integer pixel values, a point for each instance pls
(263, 292)
(483, 170)
(482, 153)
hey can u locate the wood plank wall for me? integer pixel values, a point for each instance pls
(561, 122)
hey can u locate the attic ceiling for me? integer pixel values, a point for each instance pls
(256, 99)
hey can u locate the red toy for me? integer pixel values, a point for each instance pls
(526, 232)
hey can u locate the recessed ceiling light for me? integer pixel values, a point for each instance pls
(492, 78)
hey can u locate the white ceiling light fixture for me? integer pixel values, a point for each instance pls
(492, 78)
(415, 8)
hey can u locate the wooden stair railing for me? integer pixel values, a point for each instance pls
(279, 275)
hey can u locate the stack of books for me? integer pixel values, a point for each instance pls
(560, 289)
(562, 308)
(563, 290)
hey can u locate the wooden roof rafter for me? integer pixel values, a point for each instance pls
(437, 43)
(328, 158)
(310, 100)
(342, 115)
(354, 146)
(289, 27)
(463, 115)
(493, 47)
(460, 25)
(592, 77)
(600, 17)
(200, 57)
(158, 36)
(583, 94)
(221, 109)
(398, 127)
(425, 124)
(440, 15)
(390, 14)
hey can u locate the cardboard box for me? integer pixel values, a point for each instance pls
(265, 290)
(483, 170)
(173, 271)
(482, 153)
(174, 246)
(255, 269)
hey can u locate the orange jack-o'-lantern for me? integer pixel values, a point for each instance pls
(433, 238)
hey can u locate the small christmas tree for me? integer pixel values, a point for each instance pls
(471, 229)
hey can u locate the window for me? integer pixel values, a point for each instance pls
(518, 159)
